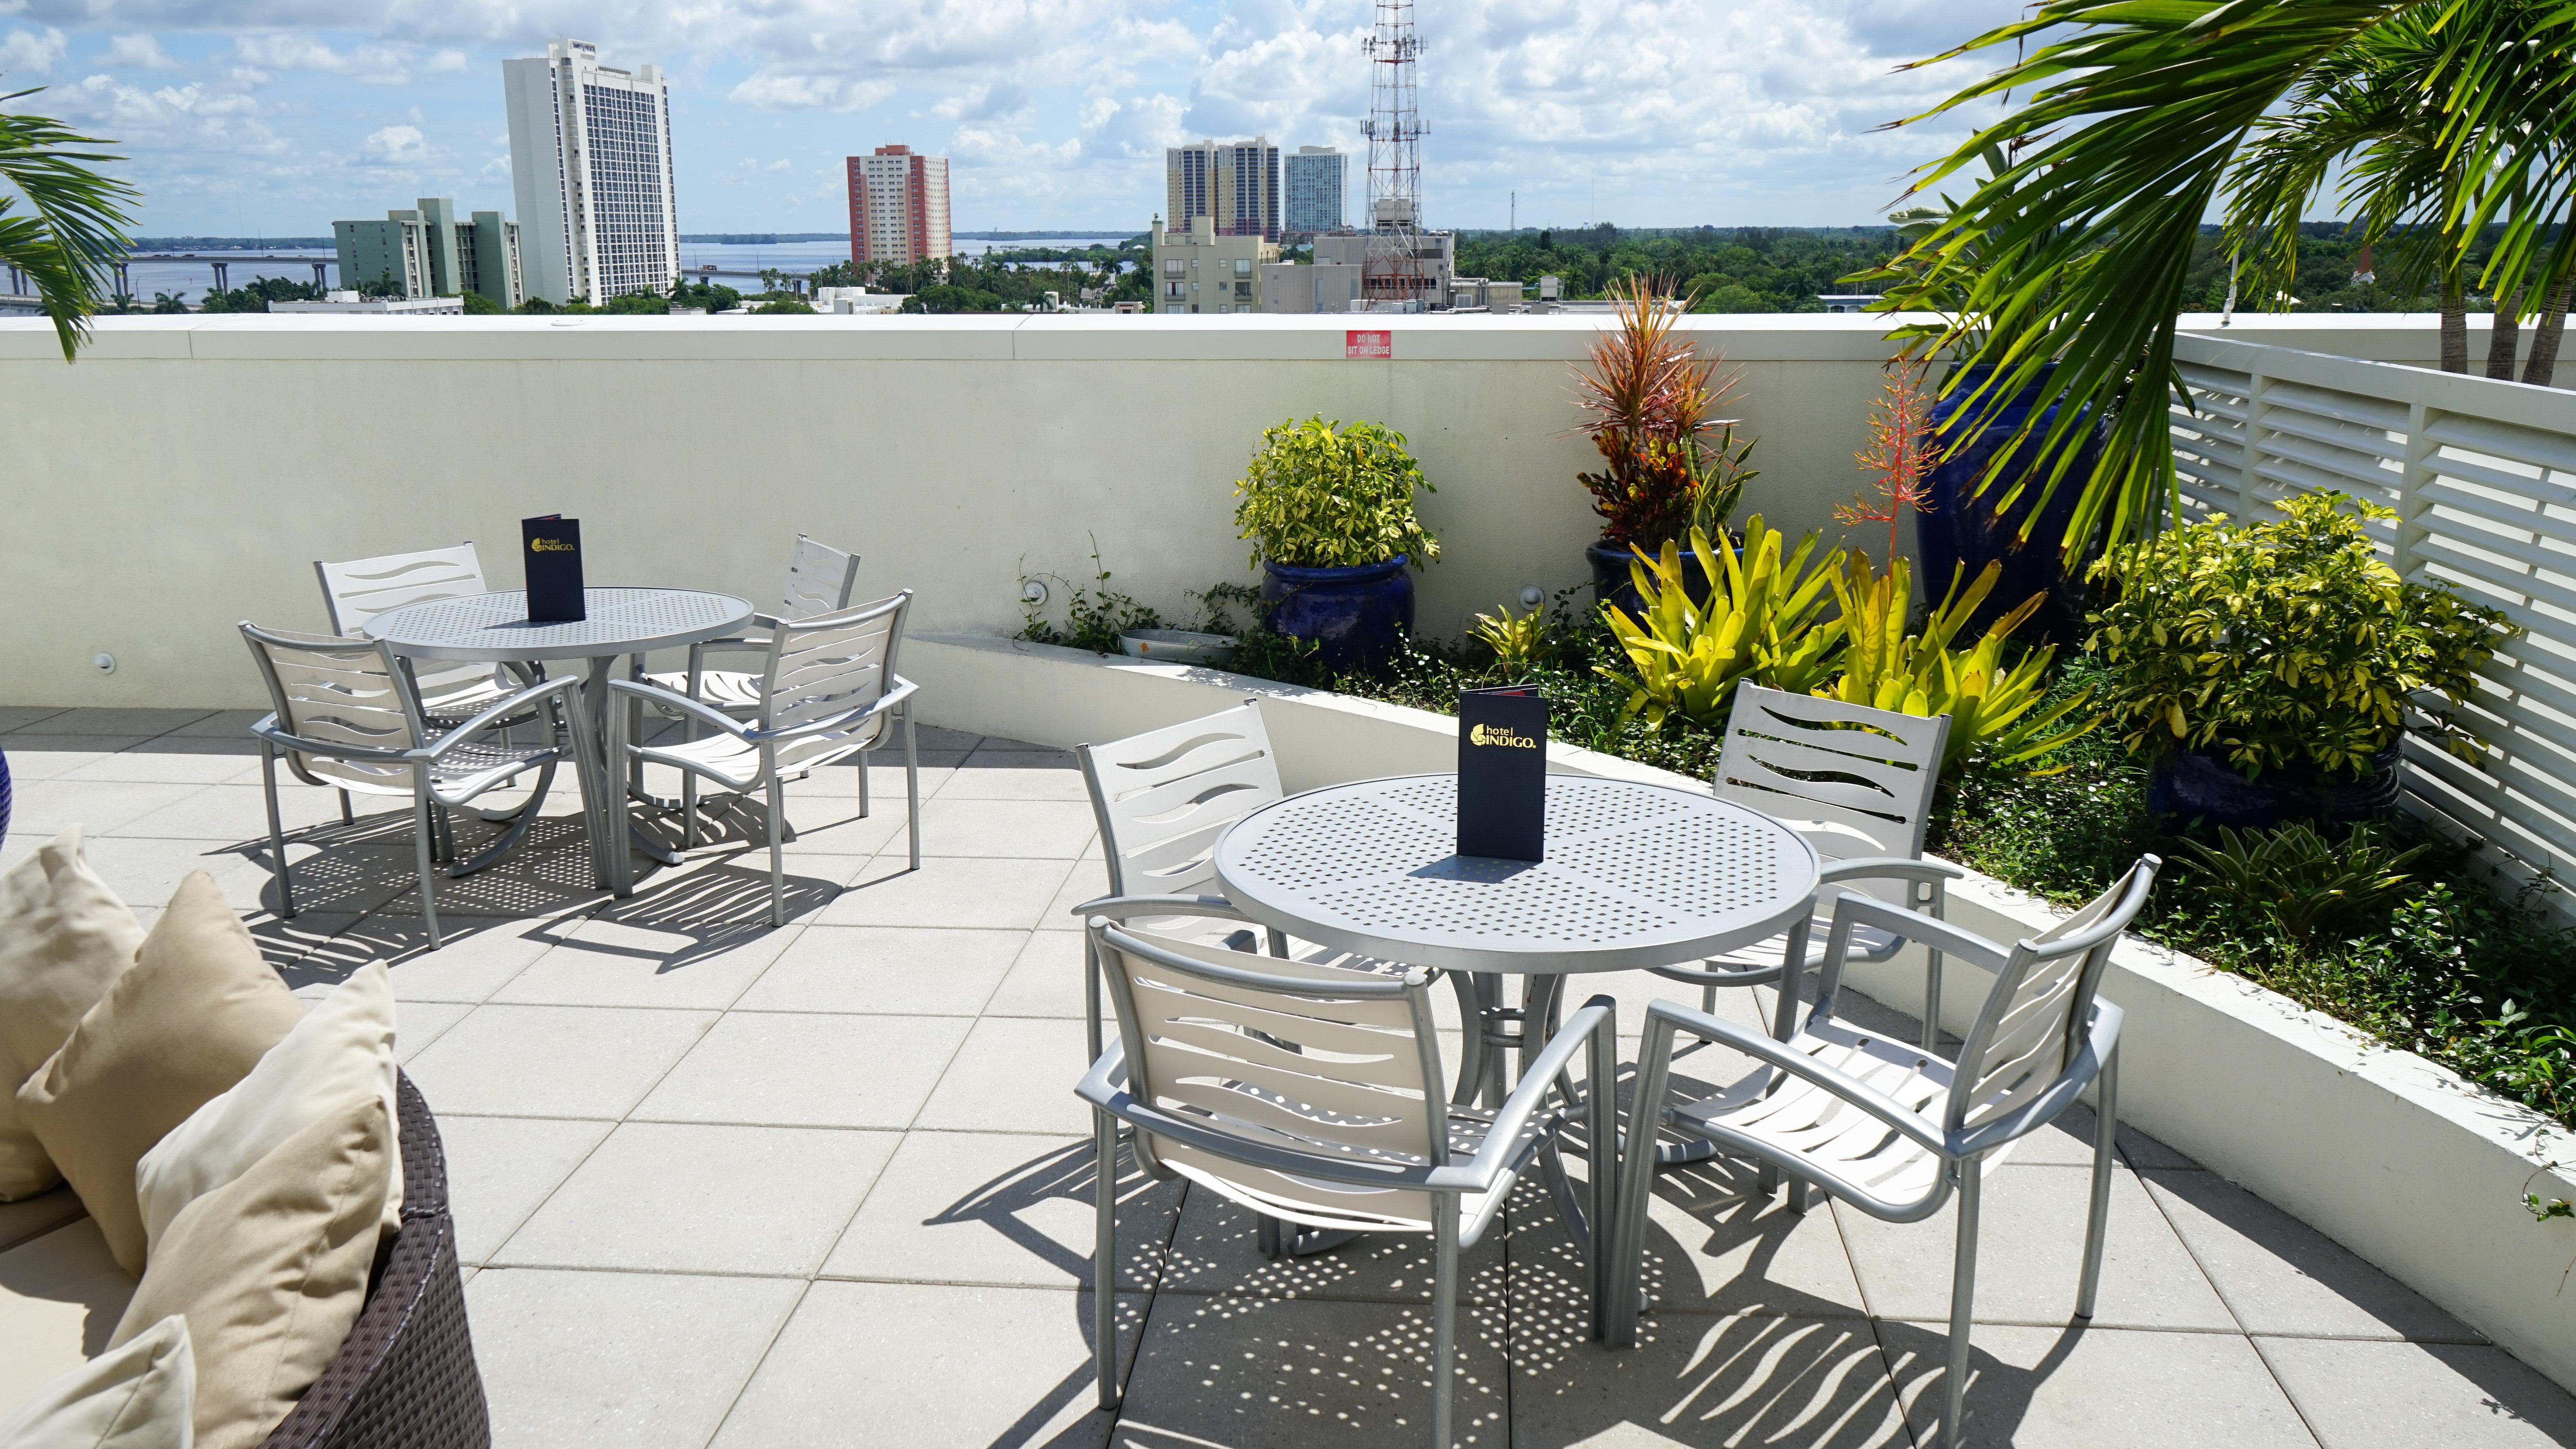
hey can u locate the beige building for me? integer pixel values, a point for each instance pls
(1197, 270)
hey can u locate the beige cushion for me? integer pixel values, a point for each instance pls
(340, 1054)
(61, 1297)
(139, 1397)
(63, 936)
(270, 1271)
(190, 1018)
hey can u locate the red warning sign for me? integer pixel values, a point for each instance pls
(1369, 344)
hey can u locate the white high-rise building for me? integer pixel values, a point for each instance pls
(1315, 188)
(590, 156)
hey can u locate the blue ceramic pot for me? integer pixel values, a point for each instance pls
(2194, 786)
(4, 796)
(1960, 528)
(1359, 616)
(1612, 583)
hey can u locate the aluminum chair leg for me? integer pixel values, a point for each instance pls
(618, 806)
(423, 818)
(1932, 974)
(2097, 1223)
(912, 786)
(1104, 1257)
(777, 852)
(1444, 1317)
(348, 813)
(1636, 1159)
(277, 830)
(863, 784)
(1951, 1431)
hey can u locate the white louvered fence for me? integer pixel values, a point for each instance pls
(2482, 475)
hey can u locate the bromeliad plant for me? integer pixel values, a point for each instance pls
(1759, 620)
(2305, 884)
(1997, 717)
(1333, 495)
(2284, 644)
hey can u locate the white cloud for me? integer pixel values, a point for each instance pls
(396, 146)
(138, 50)
(288, 50)
(26, 50)
(446, 62)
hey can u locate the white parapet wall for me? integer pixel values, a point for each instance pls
(2400, 1160)
(188, 470)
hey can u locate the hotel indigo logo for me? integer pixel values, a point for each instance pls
(548, 545)
(1499, 735)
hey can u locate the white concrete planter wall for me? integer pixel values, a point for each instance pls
(2400, 1160)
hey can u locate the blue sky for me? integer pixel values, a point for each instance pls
(275, 117)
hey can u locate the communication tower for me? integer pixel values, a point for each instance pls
(1393, 271)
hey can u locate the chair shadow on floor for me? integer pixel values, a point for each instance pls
(1006, 1203)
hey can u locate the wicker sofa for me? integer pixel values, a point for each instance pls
(405, 1379)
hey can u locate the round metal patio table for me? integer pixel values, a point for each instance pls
(1635, 875)
(495, 628)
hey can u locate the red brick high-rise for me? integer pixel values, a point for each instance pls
(898, 206)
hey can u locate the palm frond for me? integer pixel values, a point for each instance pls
(74, 229)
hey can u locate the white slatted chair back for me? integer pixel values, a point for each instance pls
(337, 691)
(358, 590)
(1854, 781)
(1163, 797)
(820, 579)
(826, 666)
(1305, 1068)
(2035, 1016)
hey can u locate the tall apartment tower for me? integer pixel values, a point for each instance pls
(590, 157)
(898, 207)
(1315, 186)
(1234, 185)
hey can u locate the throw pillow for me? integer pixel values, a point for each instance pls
(343, 1052)
(191, 1017)
(140, 1396)
(63, 937)
(270, 1270)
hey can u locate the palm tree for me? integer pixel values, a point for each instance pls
(72, 231)
(2075, 253)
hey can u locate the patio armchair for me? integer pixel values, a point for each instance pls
(1312, 1092)
(820, 580)
(1857, 784)
(1887, 1127)
(346, 714)
(357, 590)
(828, 691)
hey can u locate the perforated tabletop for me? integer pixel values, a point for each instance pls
(1635, 875)
(495, 627)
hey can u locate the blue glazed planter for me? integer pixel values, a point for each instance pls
(1960, 528)
(1358, 616)
(4, 796)
(2205, 787)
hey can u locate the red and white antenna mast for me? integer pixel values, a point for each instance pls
(1394, 271)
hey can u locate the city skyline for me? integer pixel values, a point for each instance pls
(1056, 117)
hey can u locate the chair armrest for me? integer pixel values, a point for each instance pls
(266, 728)
(656, 694)
(1856, 910)
(1664, 1017)
(1121, 907)
(1596, 1025)
(1889, 867)
(732, 644)
(507, 704)
(2099, 1043)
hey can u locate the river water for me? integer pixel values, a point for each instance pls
(189, 281)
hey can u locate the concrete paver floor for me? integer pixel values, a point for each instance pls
(716, 1183)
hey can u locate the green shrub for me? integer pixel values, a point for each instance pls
(1329, 495)
(2307, 885)
(2282, 644)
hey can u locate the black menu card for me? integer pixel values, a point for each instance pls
(552, 551)
(1502, 773)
